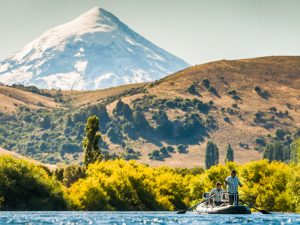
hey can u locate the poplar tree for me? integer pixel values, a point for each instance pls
(229, 154)
(211, 154)
(90, 143)
(277, 152)
(295, 150)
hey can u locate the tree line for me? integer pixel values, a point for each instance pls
(128, 185)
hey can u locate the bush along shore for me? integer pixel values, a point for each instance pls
(128, 185)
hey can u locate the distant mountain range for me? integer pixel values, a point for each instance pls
(94, 51)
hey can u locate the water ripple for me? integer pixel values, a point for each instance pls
(151, 218)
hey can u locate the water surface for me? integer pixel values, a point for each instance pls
(125, 218)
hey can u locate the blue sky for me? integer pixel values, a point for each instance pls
(195, 30)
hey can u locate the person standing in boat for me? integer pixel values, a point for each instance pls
(232, 182)
(216, 194)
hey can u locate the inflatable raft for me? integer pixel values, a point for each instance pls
(205, 208)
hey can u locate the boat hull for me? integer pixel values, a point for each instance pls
(228, 209)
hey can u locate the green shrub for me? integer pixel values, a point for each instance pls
(232, 92)
(113, 135)
(191, 125)
(26, 186)
(170, 149)
(226, 119)
(260, 141)
(262, 93)
(192, 89)
(182, 148)
(164, 125)
(155, 155)
(46, 123)
(213, 91)
(70, 174)
(280, 134)
(70, 148)
(122, 109)
(257, 89)
(130, 154)
(206, 83)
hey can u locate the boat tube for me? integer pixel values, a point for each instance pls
(210, 207)
(205, 208)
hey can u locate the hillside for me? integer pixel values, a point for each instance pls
(11, 99)
(246, 103)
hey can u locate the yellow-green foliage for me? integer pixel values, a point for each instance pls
(27, 186)
(294, 186)
(121, 185)
(267, 185)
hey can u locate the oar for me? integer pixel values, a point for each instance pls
(184, 211)
(260, 210)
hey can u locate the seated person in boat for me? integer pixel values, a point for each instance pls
(232, 182)
(216, 194)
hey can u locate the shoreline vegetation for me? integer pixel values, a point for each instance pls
(105, 183)
(128, 185)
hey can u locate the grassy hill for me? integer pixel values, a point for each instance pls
(246, 103)
(11, 99)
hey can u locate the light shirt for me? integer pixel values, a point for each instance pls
(216, 194)
(233, 184)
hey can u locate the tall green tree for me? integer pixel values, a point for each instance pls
(211, 154)
(295, 151)
(90, 143)
(277, 152)
(229, 154)
(273, 152)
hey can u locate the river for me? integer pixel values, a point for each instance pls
(125, 218)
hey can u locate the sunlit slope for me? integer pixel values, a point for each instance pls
(248, 99)
(12, 98)
(277, 76)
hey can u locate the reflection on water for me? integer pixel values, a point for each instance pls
(142, 218)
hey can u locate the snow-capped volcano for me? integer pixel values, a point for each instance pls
(95, 50)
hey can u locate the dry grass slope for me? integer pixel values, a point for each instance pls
(12, 98)
(277, 76)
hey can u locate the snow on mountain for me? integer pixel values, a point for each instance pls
(95, 50)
